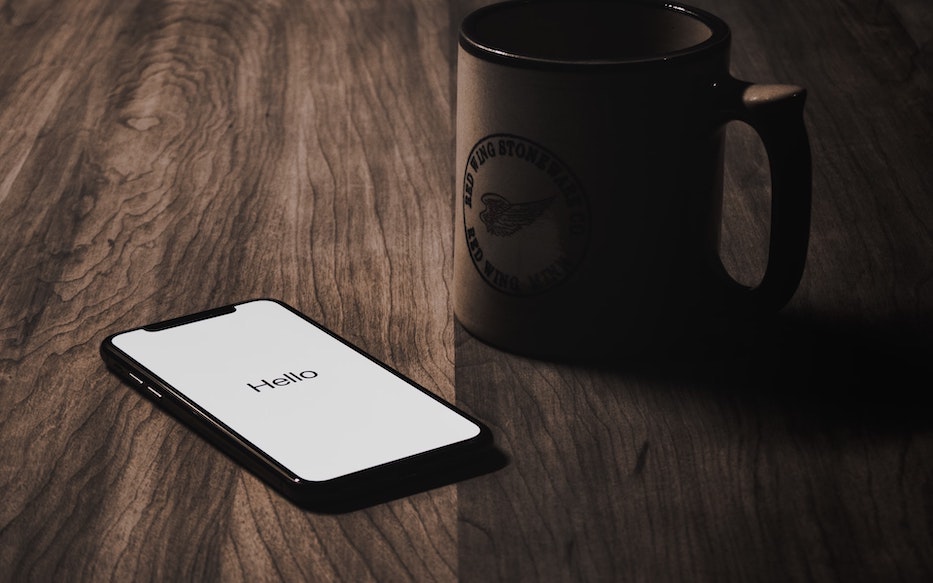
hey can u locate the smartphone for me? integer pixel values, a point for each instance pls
(305, 410)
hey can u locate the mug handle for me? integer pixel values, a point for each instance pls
(775, 112)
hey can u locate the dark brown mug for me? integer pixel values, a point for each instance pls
(589, 191)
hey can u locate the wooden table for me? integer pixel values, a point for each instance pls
(160, 157)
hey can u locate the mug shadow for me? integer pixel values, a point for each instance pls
(817, 371)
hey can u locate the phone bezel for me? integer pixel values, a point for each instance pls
(253, 458)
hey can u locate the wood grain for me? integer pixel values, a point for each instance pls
(799, 449)
(166, 156)
(163, 157)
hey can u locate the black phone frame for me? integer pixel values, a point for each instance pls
(337, 493)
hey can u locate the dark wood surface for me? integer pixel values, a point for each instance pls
(162, 157)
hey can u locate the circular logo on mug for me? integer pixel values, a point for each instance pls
(525, 215)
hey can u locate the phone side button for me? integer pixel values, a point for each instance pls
(154, 392)
(135, 378)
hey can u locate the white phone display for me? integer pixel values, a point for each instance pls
(288, 392)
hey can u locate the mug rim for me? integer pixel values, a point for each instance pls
(720, 35)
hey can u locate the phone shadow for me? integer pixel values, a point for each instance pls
(489, 460)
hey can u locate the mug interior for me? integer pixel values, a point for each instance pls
(587, 32)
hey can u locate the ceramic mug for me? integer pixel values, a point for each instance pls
(589, 191)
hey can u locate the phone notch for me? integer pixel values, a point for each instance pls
(213, 313)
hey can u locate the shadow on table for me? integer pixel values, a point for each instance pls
(490, 460)
(820, 369)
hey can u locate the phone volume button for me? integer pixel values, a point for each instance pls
(154, 392)
(135, 378)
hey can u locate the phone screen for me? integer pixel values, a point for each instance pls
(317, 406)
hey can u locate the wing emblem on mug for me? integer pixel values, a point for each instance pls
(503, 218)
(525, 215)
